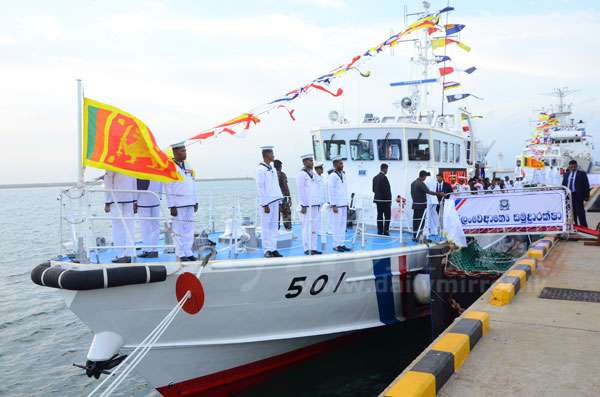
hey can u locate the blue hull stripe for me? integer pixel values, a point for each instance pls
(384, 290)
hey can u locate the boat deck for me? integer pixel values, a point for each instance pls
(224, 252)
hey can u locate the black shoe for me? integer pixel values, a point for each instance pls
(269, 254)
(123, 259)
(307, 252)
(184, 259)
(386, 233)
(192, 258)
(339, 248)
(346, 248)
(315, 252)
(144, 255)
(153, 254)
(276, 254)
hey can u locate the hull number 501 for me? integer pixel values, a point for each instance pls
(318, 285)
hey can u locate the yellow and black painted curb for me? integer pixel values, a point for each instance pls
(444, 357)
(505, 289)
(515, 279)
(540, 249)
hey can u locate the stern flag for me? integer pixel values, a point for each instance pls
(115, 140)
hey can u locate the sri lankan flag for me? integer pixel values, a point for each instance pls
(531, 162)
(117, 141)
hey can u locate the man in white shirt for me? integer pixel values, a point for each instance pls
(119, 200)
(309, 197)
(519, 183)
(148, 206)
(269, 197)
(182, 202)
(338, 201)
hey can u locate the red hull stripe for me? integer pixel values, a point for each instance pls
(236, 379)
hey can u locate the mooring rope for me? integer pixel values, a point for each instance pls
(140, 351)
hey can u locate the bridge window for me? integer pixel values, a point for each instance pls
(436, 150)
(418, 149)
(335, 148)
(457, 154)
(389, 149)
(451, 153)
(361, 149)
(444, 152)
(317, 149)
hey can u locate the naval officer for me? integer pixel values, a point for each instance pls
(148, 206)
(269, 197)
(119, 200)
(309, 196)
(181, 200)
(324, 202)
(338, 201)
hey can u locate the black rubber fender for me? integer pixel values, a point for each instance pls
(109, 277)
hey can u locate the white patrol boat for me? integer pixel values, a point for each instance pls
(215, 326)
(558, 139)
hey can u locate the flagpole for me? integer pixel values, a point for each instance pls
(80, 167)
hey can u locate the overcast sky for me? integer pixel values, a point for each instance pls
(182, 66)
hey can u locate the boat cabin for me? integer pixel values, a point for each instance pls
(406, 147)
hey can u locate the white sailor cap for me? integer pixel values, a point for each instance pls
(178, 145)
(318, 164)
(337, 157)
(308, 156)
(266, 147)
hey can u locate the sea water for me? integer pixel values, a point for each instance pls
(40, 338)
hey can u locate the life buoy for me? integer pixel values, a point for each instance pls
(109, 277)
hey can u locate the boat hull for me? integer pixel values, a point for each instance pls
(257, 316)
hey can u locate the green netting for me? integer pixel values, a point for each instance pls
(475, 259)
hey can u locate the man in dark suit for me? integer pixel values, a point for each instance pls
(442, 186)
(577, 182)
(418, 194)
(383, 200)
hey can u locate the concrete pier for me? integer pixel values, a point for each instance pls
(534, 346)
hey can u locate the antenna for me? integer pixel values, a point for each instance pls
(561, 93)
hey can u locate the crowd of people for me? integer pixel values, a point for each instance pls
(322, 203)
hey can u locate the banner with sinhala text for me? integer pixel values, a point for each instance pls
(513, 212)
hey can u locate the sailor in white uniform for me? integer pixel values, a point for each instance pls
(181, 200)
(322, 181)
(338, 201)
(269, 197)
(519, 183)
(309, 197)
(148, 206)
(119, 199)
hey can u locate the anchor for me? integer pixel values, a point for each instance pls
(97, 368)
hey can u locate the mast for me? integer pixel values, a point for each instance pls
(422, 60)
(79, 156)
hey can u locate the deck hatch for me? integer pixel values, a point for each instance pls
(568, 294)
